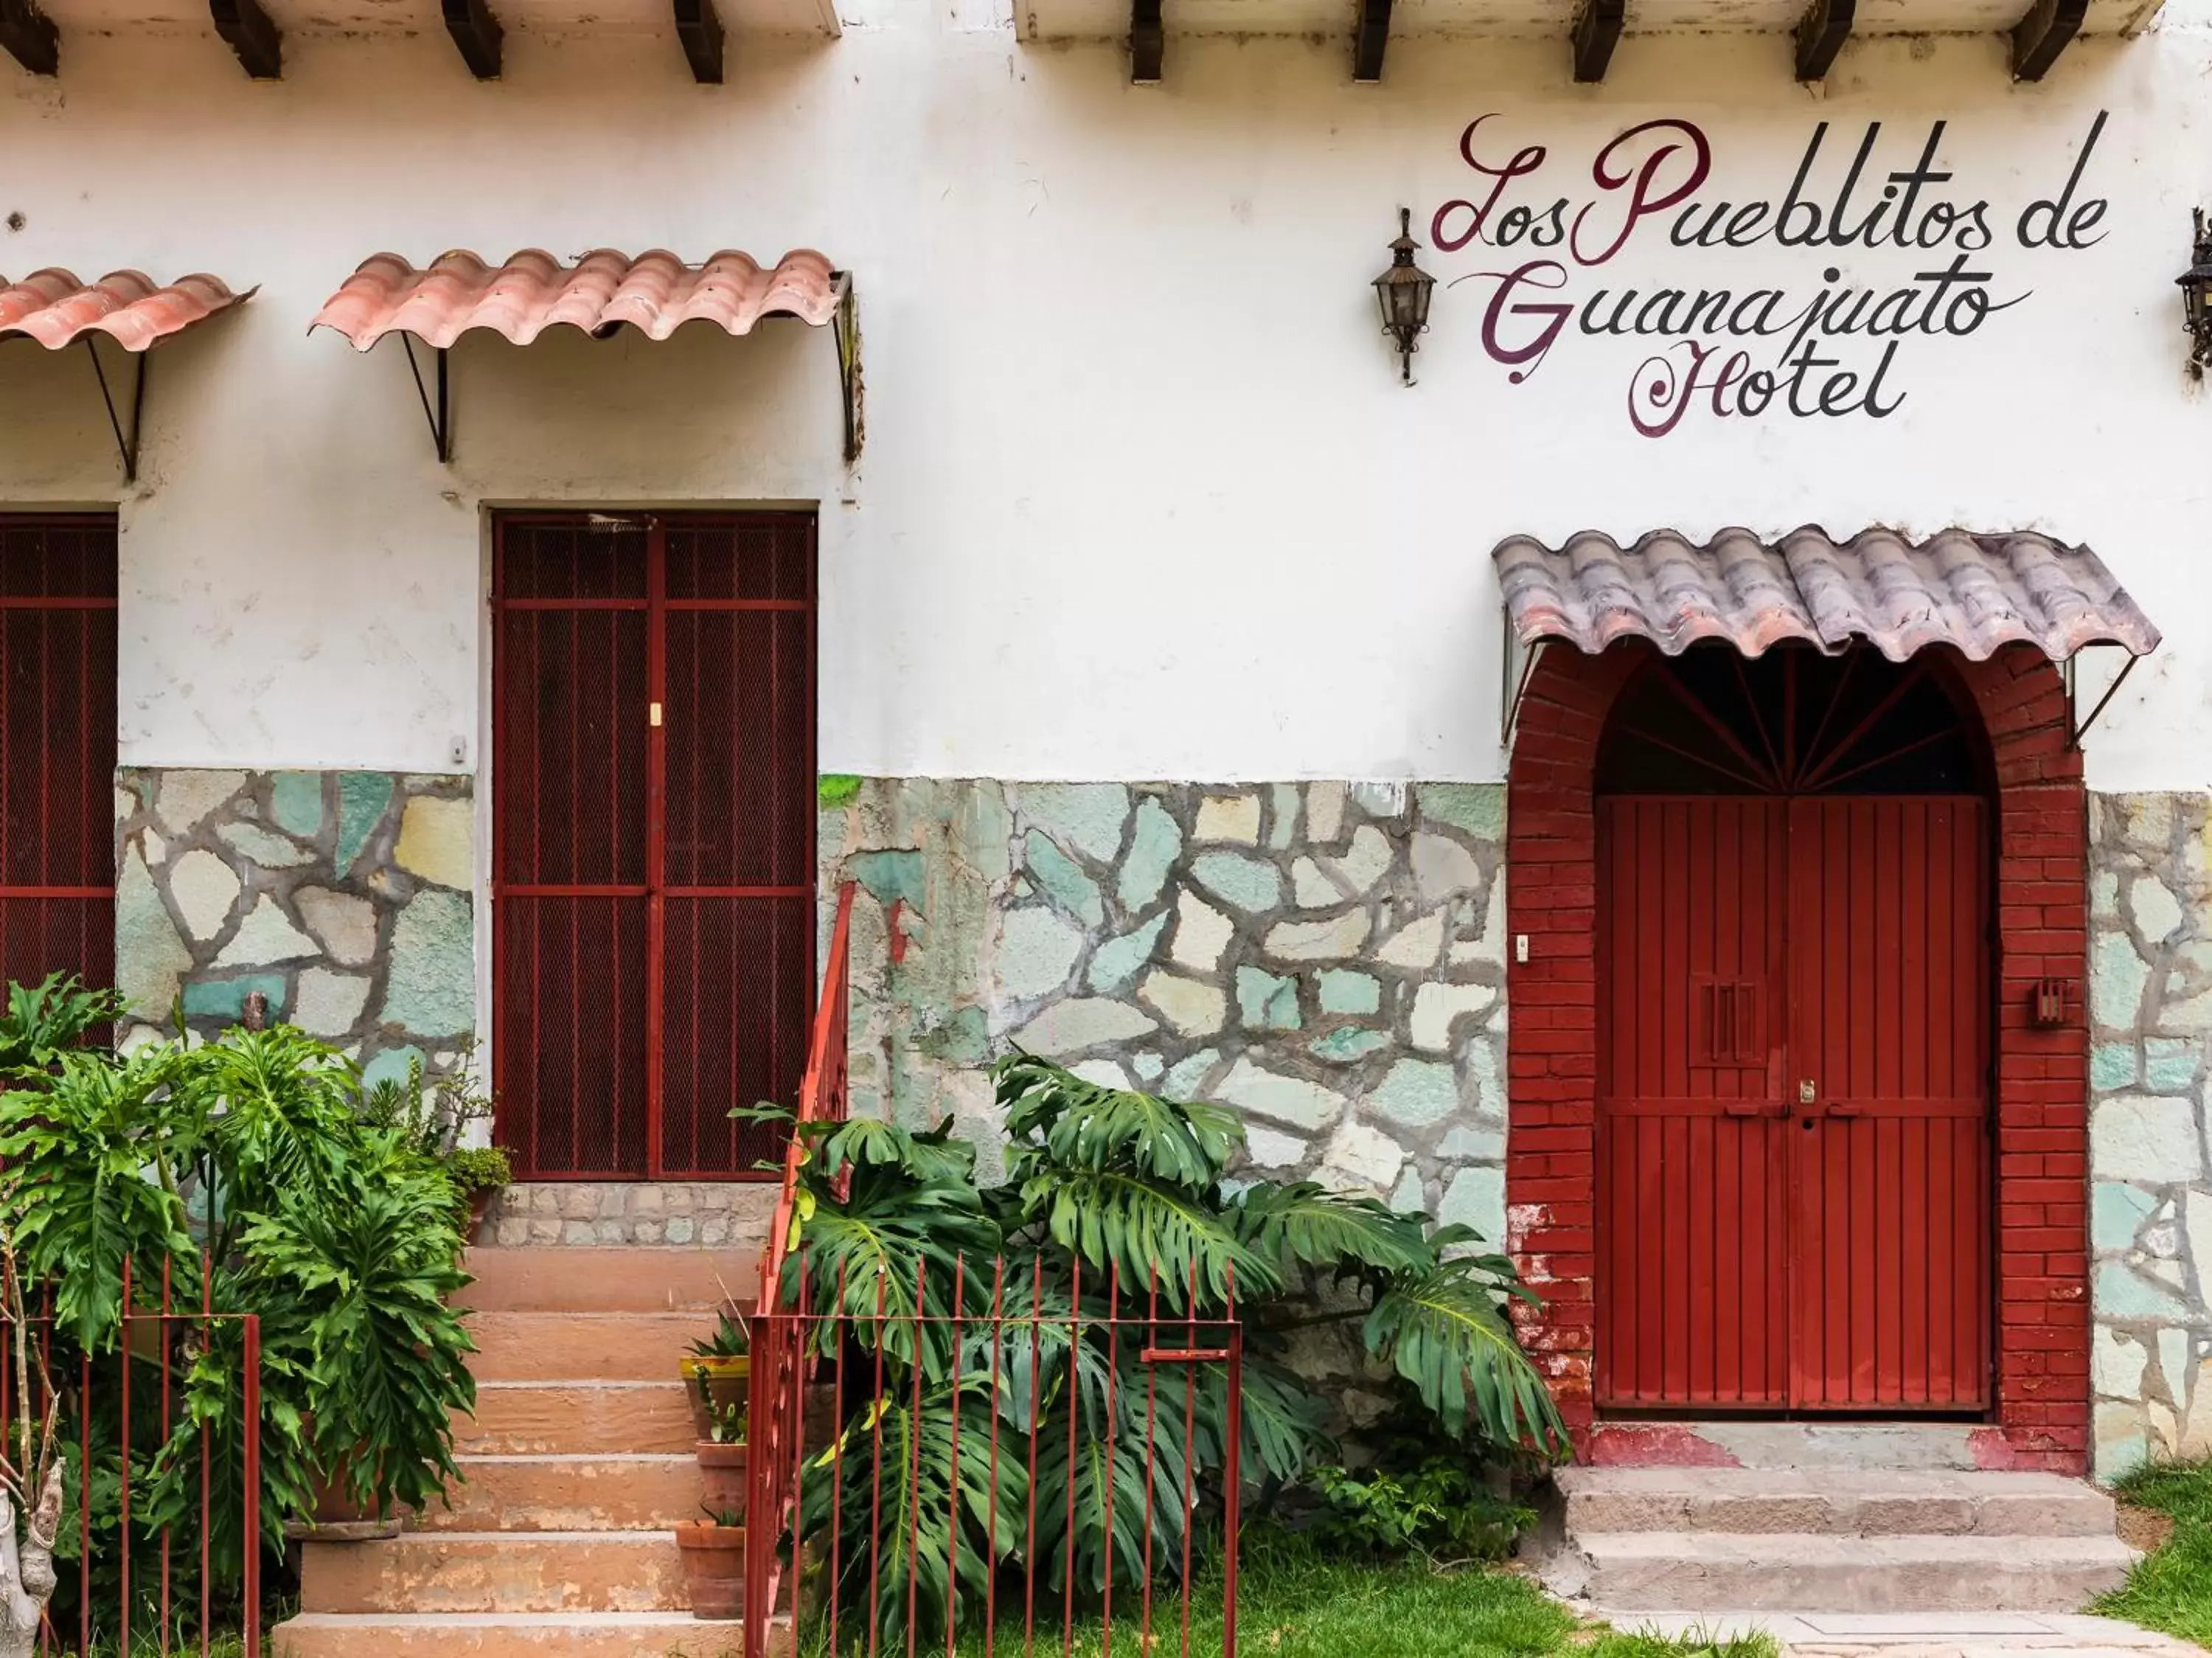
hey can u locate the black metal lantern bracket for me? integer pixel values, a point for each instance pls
(1403, 293)
(2195, 285)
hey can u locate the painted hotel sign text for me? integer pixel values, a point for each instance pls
(1833, 347)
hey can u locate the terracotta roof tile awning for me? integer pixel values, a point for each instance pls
(54, 309)
(1975, 592)
(655, 292)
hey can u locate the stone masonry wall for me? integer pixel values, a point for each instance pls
(344, 897)
(2151, 1210)
(1326, 956)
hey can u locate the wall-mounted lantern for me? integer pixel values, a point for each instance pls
(1403, 292)
(2197, 298)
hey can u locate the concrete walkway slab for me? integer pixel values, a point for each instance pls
(1921, 1634)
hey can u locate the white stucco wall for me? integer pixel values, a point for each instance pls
(1142, 496)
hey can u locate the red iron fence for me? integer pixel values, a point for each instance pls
(959, 1459)
(158, 1436)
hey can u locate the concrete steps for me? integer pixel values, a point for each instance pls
(506, 1635)
(534, 1418)
(484, 1571)
(577, 1462)
(1834, 1539)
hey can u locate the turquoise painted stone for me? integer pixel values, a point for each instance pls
(296, 801)
(1266, 1001)
(2117, 1212)
(1477, 808)
(430, 987)
(1342, 1045)
(2112, 1065)
(262, 846)
(1282, 815)
(1246, 882)
(2122, 1294)
(1153, 847)
(1343, 990)
(362, 798)
(1416, 1093)
(2117, 982)
(1475, 1197)
(890, 877)
(1189, 1074)
(1063, 879)
(961, 1039)
(2169, 1065)
(1088, 816)
(1115, 962)
(225, 998)
(392, 1065)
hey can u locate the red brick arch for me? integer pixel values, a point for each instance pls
(2041, 1418)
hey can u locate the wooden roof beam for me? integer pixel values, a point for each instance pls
(27, 35)
(2039, 37)
(1821, 33)
(477, 33)
(1148, 43)
(699, 27)
(1597, 31)
(1367, 45)
(257, 42)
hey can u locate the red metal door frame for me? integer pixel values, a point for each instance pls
(85, 905)
(656, 888)
(1844, 1156)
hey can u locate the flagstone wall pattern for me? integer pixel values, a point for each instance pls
(2151, 1197)
(1326, 956)
(344, 897)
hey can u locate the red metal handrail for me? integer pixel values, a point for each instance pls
(774, 1425)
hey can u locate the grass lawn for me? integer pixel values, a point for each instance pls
(2172, 1589)
(1293, 1602)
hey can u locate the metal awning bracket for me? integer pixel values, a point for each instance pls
(438, 413)
(2078, 728)
(847, 328)
(1519, 666)
(126, 446)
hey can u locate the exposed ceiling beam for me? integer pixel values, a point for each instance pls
(1148, 42)
(2039, 37)
(1368, 44)
(1597, 31)
(477, 33)
(257, 42)
(1821, 33)
(699, 27)
(27, 35)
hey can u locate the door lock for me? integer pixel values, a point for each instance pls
(1806, 1090)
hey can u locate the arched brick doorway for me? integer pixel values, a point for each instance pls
(2037, 1398)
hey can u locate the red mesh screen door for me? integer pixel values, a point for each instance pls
(58, 747)
(653, 792)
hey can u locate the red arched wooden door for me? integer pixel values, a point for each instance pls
(1793, 1055)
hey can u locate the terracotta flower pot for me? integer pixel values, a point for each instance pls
(480, 1203)
(714, 1568)
(725, 1381)
(724, 1467)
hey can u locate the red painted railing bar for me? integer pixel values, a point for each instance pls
(1113, 1362)
(836, 1456)
(207, 1337)
(1232, 1472)
(911, 1518)
(252, 1411)
(84, 1504)
(797, 1424)
(167, 1311)
(1036, 1433)
(991, 1523)
(122, 1565)
(1189, 1435)
(1151, 1444)
(952, 1519)
(1074, 1335)
(876, 1477)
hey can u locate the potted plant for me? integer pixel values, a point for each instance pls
(718, 1372)
(479, 1174)
(723, 1457)
(433, 1117)
(714, 1562)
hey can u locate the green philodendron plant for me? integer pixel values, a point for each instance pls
(251, 1159)
(1105, 1185)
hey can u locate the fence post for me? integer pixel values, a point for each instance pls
(252, 1563)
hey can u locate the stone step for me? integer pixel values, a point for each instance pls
(1785, 1446)
(583, 1346)
(1630, 1572)
(1832, 1501)
(706, 1215)
(538, 1419)
(630, 1492)
(613, 1280)
(496, 1571)
(506, 1635)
